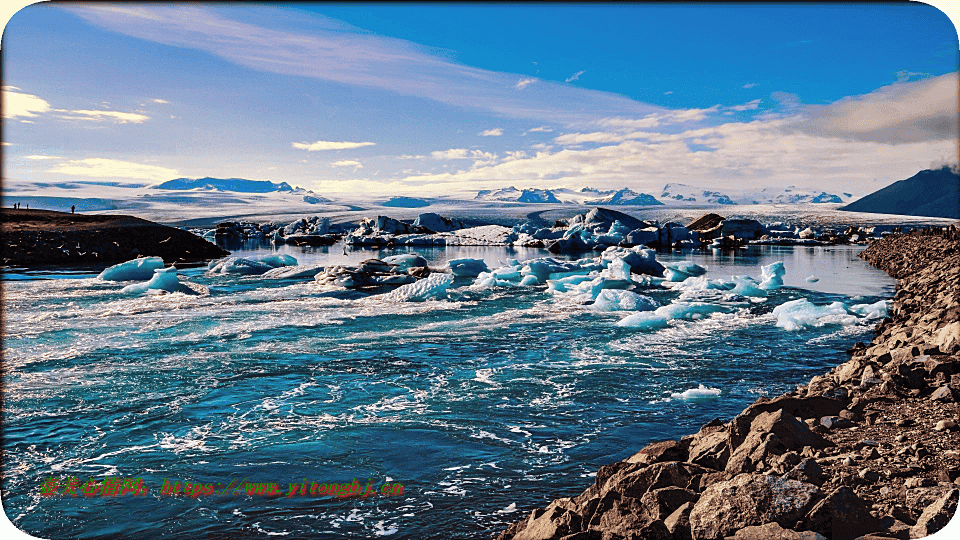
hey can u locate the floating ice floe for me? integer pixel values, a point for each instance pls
(797, 314)
(871, 311)
(467, 267)
(137, 269)
(433, 286)
(644, 320)
(812, 279)
(681, 270)
(405, 261)
(250, 266)
(293, 272)
(164, 279)
(619, 300)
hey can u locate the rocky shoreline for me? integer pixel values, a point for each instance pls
(44, 237)
(869, 450)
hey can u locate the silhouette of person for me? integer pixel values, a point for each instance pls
(72, 207)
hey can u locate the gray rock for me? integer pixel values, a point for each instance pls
(750, 499)
(944, 394)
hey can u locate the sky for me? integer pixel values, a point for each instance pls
(437, 99)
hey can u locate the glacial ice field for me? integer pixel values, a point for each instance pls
(485, 400)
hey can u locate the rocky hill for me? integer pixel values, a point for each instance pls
(40, 237)
(932, 193)
(866, 451)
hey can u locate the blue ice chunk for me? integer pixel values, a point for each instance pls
(164, 279)
(467, 267)
(644, 320)
(681, 270)
(747, 286)
(277, 260)
(134, 270)
(529, 280)
(772, 275)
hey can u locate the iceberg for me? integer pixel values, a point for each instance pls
(432, 286)
(641, 260)
(812, 279)
(405, 261)
(467, 267)
(619, 300)
(772, 275)
(747, 286)
(278, 260)
(695, 393)
(135, 270)
(237, 265)
(871, 311)
(681, 270)
(797, 314)
(164, 279)
(293, 272)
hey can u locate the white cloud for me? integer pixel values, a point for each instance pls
(16, 104)
(750, 106)
(158, 100)
(317, 47)
(904, 75)
(462, 153)
(744, 155)
(36, 157)
(330, 145)
(668, 92)
(924, 110)
(347, 163)
(119, 117)
(525, 82)
(749, 85)
(495, 132)
(575, 76)
(408, 156)
(541, 129)
(114, 168)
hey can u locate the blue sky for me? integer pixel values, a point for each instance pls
(437, 98)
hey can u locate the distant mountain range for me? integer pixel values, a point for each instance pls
(673, 194)
(513, 194)
(690, 194)
(239, 185)
(929, 193)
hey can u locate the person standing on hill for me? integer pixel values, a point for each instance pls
(72, 207)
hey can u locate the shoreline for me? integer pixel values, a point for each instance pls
(868, 450)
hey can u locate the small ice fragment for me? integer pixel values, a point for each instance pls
(696, 393)
(812, 279)
(405, 261)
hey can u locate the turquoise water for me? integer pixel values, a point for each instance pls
(483, 405)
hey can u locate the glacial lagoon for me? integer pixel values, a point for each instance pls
(483, 404)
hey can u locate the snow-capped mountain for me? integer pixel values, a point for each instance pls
(513, 194)
(684, 193)
(791, 195)
(239, 185)
(626, 196)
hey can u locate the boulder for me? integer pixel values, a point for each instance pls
(660, 451)
(750, 499)
(771, 531)
(678, 523)
(437, 223)
(936, 516)
(789, 433)
(842, 515)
